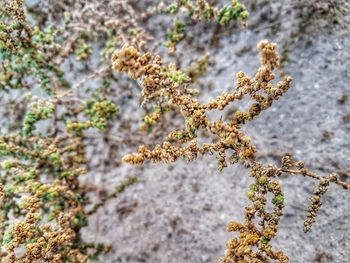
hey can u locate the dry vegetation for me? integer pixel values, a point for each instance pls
(51, 120)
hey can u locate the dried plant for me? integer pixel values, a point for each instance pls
(159, 86)
(42, 190)
(43, 205)
(44, 146)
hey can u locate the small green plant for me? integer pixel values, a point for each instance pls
(201, 10)
(99, 112)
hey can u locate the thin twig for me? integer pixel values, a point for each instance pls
(308, 173)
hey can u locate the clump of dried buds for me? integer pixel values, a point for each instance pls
(42, 202)
(51, 210)
(158, 86)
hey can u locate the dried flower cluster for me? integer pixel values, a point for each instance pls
(45, 197)
(43, 205)
(159, 86)
(45, 144)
